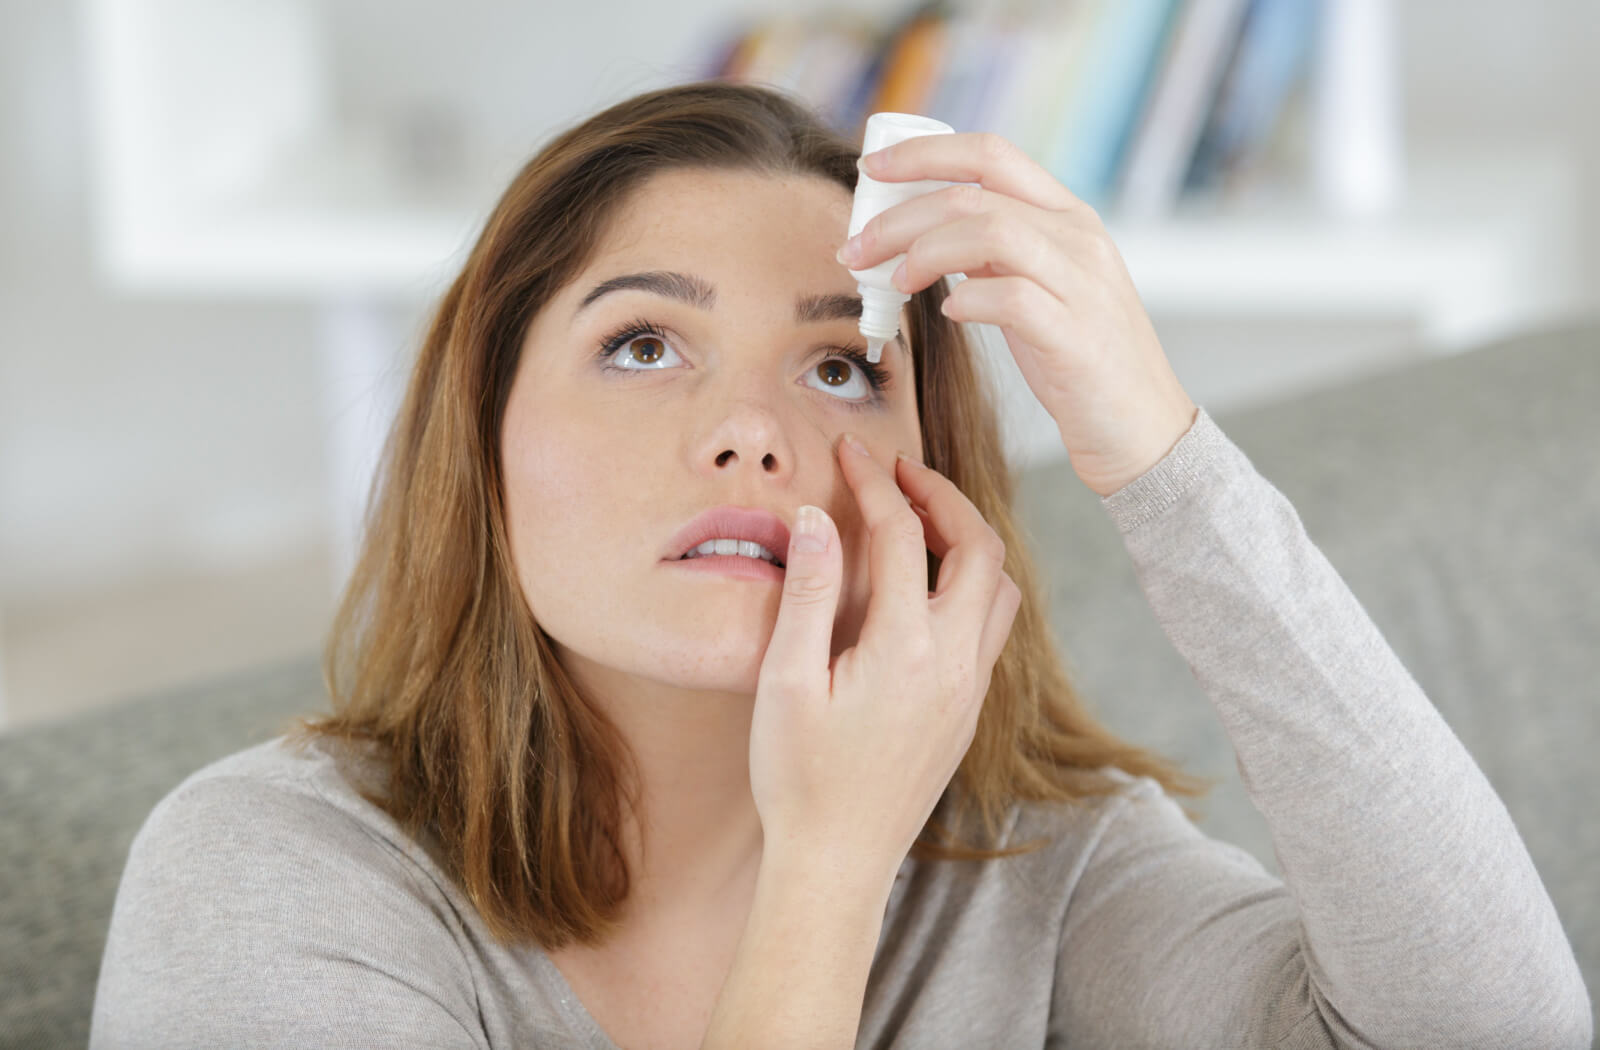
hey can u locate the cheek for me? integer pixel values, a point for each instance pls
(559, 497)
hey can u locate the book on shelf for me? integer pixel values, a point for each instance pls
(1152, 178)
(1131, 104)
(1272, 53)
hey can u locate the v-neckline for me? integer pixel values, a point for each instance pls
(583, 1024)
(573, 1011)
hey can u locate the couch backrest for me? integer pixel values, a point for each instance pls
(72, 796)
(1460, 500)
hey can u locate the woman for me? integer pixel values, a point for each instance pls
(590, 782)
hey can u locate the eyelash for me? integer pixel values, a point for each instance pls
(878, 377)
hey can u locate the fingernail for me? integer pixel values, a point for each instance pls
(810, 535)
(873, 161)
(912, 462)
(854, 444)
(851, 251)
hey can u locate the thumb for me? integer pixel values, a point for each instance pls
(802, 639)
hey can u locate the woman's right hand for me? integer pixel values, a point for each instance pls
(849, 761)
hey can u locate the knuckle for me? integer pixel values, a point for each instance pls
(871, 234)
(781, 683)
(1014, 295)
(994, 550)
(919, 650)
(1041, 252)
(913, 261)
(994, 146)
(1018, 295)
(963, 679)
(996, 227)
(1101, 250)
(803, 589)
(967, 198)
(982, 695)
(905, 525)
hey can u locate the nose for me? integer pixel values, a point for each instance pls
(749, 438)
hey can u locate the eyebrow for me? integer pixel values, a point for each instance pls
(694, 291)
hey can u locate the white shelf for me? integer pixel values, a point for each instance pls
(297, 254)
(1483, 246)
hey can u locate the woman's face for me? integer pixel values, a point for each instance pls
(731, 400)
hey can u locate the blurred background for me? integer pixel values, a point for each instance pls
(223, 224)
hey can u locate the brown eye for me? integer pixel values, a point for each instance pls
(653, 351)
(833, 367)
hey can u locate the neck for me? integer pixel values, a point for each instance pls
(693, 845)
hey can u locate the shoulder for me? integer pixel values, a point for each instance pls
(268, 862)
(1012, 909)
(1057, 841)
(1132, 823)
(277, 826)
(1130, 804)
(272, 794)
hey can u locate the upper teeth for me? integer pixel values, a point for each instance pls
(745, 547)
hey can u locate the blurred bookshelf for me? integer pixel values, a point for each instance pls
(1245, 154)
(1247, 157)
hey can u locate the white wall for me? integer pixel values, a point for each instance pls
(140, 436)
(133, 435)
(1527, 72)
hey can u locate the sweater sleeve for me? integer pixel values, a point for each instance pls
(253, 914)
(1409, 913)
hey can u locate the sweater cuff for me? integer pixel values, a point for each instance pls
(1146, 497)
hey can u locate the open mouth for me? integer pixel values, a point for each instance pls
(734, 549)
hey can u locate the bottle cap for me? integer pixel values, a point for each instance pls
(885, 129)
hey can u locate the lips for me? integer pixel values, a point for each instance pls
(732, 523)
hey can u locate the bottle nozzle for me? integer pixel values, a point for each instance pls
(880, 317)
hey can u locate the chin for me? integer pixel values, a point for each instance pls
(727, 673)
(730, 662)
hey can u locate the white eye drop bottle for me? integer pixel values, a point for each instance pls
(880, 300)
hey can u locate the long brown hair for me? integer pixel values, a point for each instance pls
(434, 657)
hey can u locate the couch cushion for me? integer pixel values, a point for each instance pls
(72, 796)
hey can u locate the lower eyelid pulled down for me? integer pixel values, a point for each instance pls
(878, 378)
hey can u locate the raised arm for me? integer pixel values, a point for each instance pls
(1412, 914)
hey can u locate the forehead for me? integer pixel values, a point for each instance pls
(769, 237)
(733, 210)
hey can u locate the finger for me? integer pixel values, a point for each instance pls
(802, 638)
(971, 553)
(991, 160)
(1015, 303)
(896, 551)
(997, 628)
(894, 229)
(990, 244)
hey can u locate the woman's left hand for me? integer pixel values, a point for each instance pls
(1041, 267)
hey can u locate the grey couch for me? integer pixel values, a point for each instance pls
(1459, 498)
